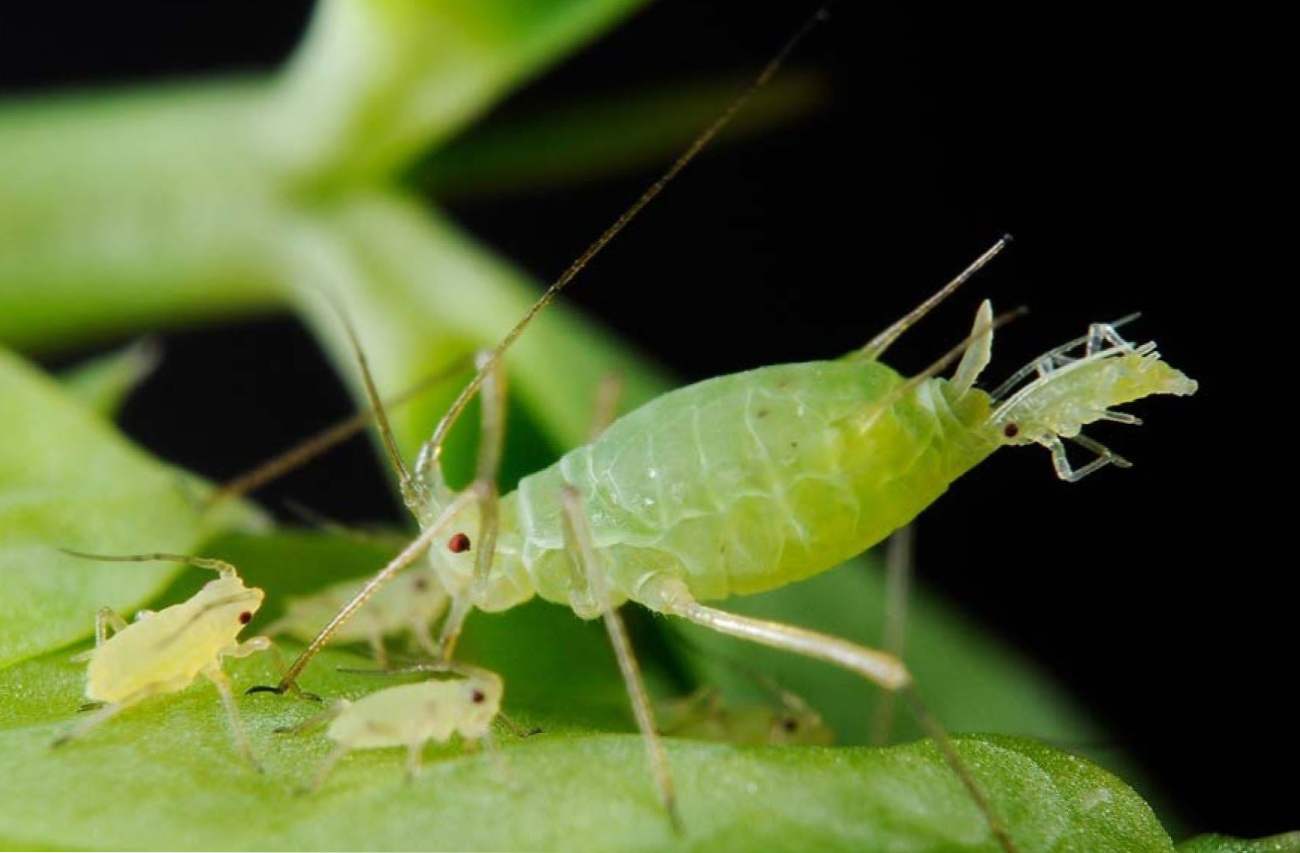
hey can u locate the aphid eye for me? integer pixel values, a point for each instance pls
(1011, 430)
(477, 697)
(421, 584)
(790, 724)
(458, 543)
(245, 617)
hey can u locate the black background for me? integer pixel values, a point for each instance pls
(1118, 145)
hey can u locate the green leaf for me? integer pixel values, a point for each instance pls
(1286, 843)
(103, 383)
(68, 479)
(581, 783)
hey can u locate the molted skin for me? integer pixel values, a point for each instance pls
(735, 485)
(172, 646)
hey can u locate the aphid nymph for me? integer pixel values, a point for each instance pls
(411, 715)
(413, 603)
(164, 651)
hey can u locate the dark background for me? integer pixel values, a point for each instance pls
(1115, 144)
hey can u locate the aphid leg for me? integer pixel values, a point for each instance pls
(898, 572)
(492, 407)
(376, 641)
(106, 620)
(583, 552)
(421, 630)
(414, 758)
(1067, 472)
(328, 766)
(411, 553)
(221, 681)
(876, 666)
(1101, 333)
(499, 768)
(108, 711)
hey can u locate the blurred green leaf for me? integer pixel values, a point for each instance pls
(68, 479)
(605, 137)
(578, 784)
(103, 383)
(1286, 843)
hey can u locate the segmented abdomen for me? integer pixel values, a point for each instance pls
(735, 485)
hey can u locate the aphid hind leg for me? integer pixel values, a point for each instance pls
(582, 551)
(876, 666)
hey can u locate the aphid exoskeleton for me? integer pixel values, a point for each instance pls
(164, 651)
(706, 715)
(411, 715)
(413, 603)
(743, 483)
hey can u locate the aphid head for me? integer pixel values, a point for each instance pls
(481, 691)
(1076, 384)
(800, 726)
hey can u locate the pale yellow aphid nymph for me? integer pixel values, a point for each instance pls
(411, 715)
(164, 651)
(413, 602)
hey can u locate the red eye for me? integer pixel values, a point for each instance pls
(477, 696)
(1011, 430)
(458, 543)
(245, 617)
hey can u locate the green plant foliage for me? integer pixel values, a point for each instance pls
(581, 782)
(1286, 843)
(104, 382)
(68, 479)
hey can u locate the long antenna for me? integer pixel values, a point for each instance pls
(431, 451)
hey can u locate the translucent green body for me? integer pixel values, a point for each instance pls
(736, 485)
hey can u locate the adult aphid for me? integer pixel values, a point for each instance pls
(744, 483)
(413, 603)
(164, 651)
(411, 715)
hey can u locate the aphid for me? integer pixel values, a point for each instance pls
(411, 715)
(413, 603)
(744, 483)
(705, 715)
(163, 651)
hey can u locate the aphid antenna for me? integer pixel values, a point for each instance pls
(431, 451)
(875, 347)
(1053, 353)
(220, 566)
(329, 437)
